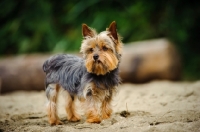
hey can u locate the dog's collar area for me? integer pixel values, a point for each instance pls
(100, 75)
(107, 81)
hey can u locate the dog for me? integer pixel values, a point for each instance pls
(92, 79)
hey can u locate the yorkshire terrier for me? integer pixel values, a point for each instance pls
(92, 79)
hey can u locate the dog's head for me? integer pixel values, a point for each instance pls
(101, 51)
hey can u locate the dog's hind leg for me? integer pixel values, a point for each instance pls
(52, 93)
(70, 107)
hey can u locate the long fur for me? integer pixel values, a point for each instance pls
(69, 72)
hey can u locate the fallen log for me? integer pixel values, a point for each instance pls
(23, 72)
(149, 60)
(141, 62)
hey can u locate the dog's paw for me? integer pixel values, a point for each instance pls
(93, 120)
(74, 119)
(55, 122)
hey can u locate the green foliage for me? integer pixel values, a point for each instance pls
(55, 26)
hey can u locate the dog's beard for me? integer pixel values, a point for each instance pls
(99, 67)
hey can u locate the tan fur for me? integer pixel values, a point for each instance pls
(93, 116)
(70, 107)
(106, 108)
(51, 106)
(108, 62)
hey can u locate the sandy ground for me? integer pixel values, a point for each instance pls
(158, 106)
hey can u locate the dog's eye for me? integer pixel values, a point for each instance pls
(105, 48)
(91, 49)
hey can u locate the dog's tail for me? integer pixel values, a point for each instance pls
(53, 63)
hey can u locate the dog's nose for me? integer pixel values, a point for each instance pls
(96, 57)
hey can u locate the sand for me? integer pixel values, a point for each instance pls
(159, 106)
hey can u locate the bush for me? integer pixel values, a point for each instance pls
(55, 26)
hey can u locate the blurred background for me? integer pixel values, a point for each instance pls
(49, 26)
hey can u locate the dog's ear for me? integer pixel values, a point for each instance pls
(87, 31)
(113, 30)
